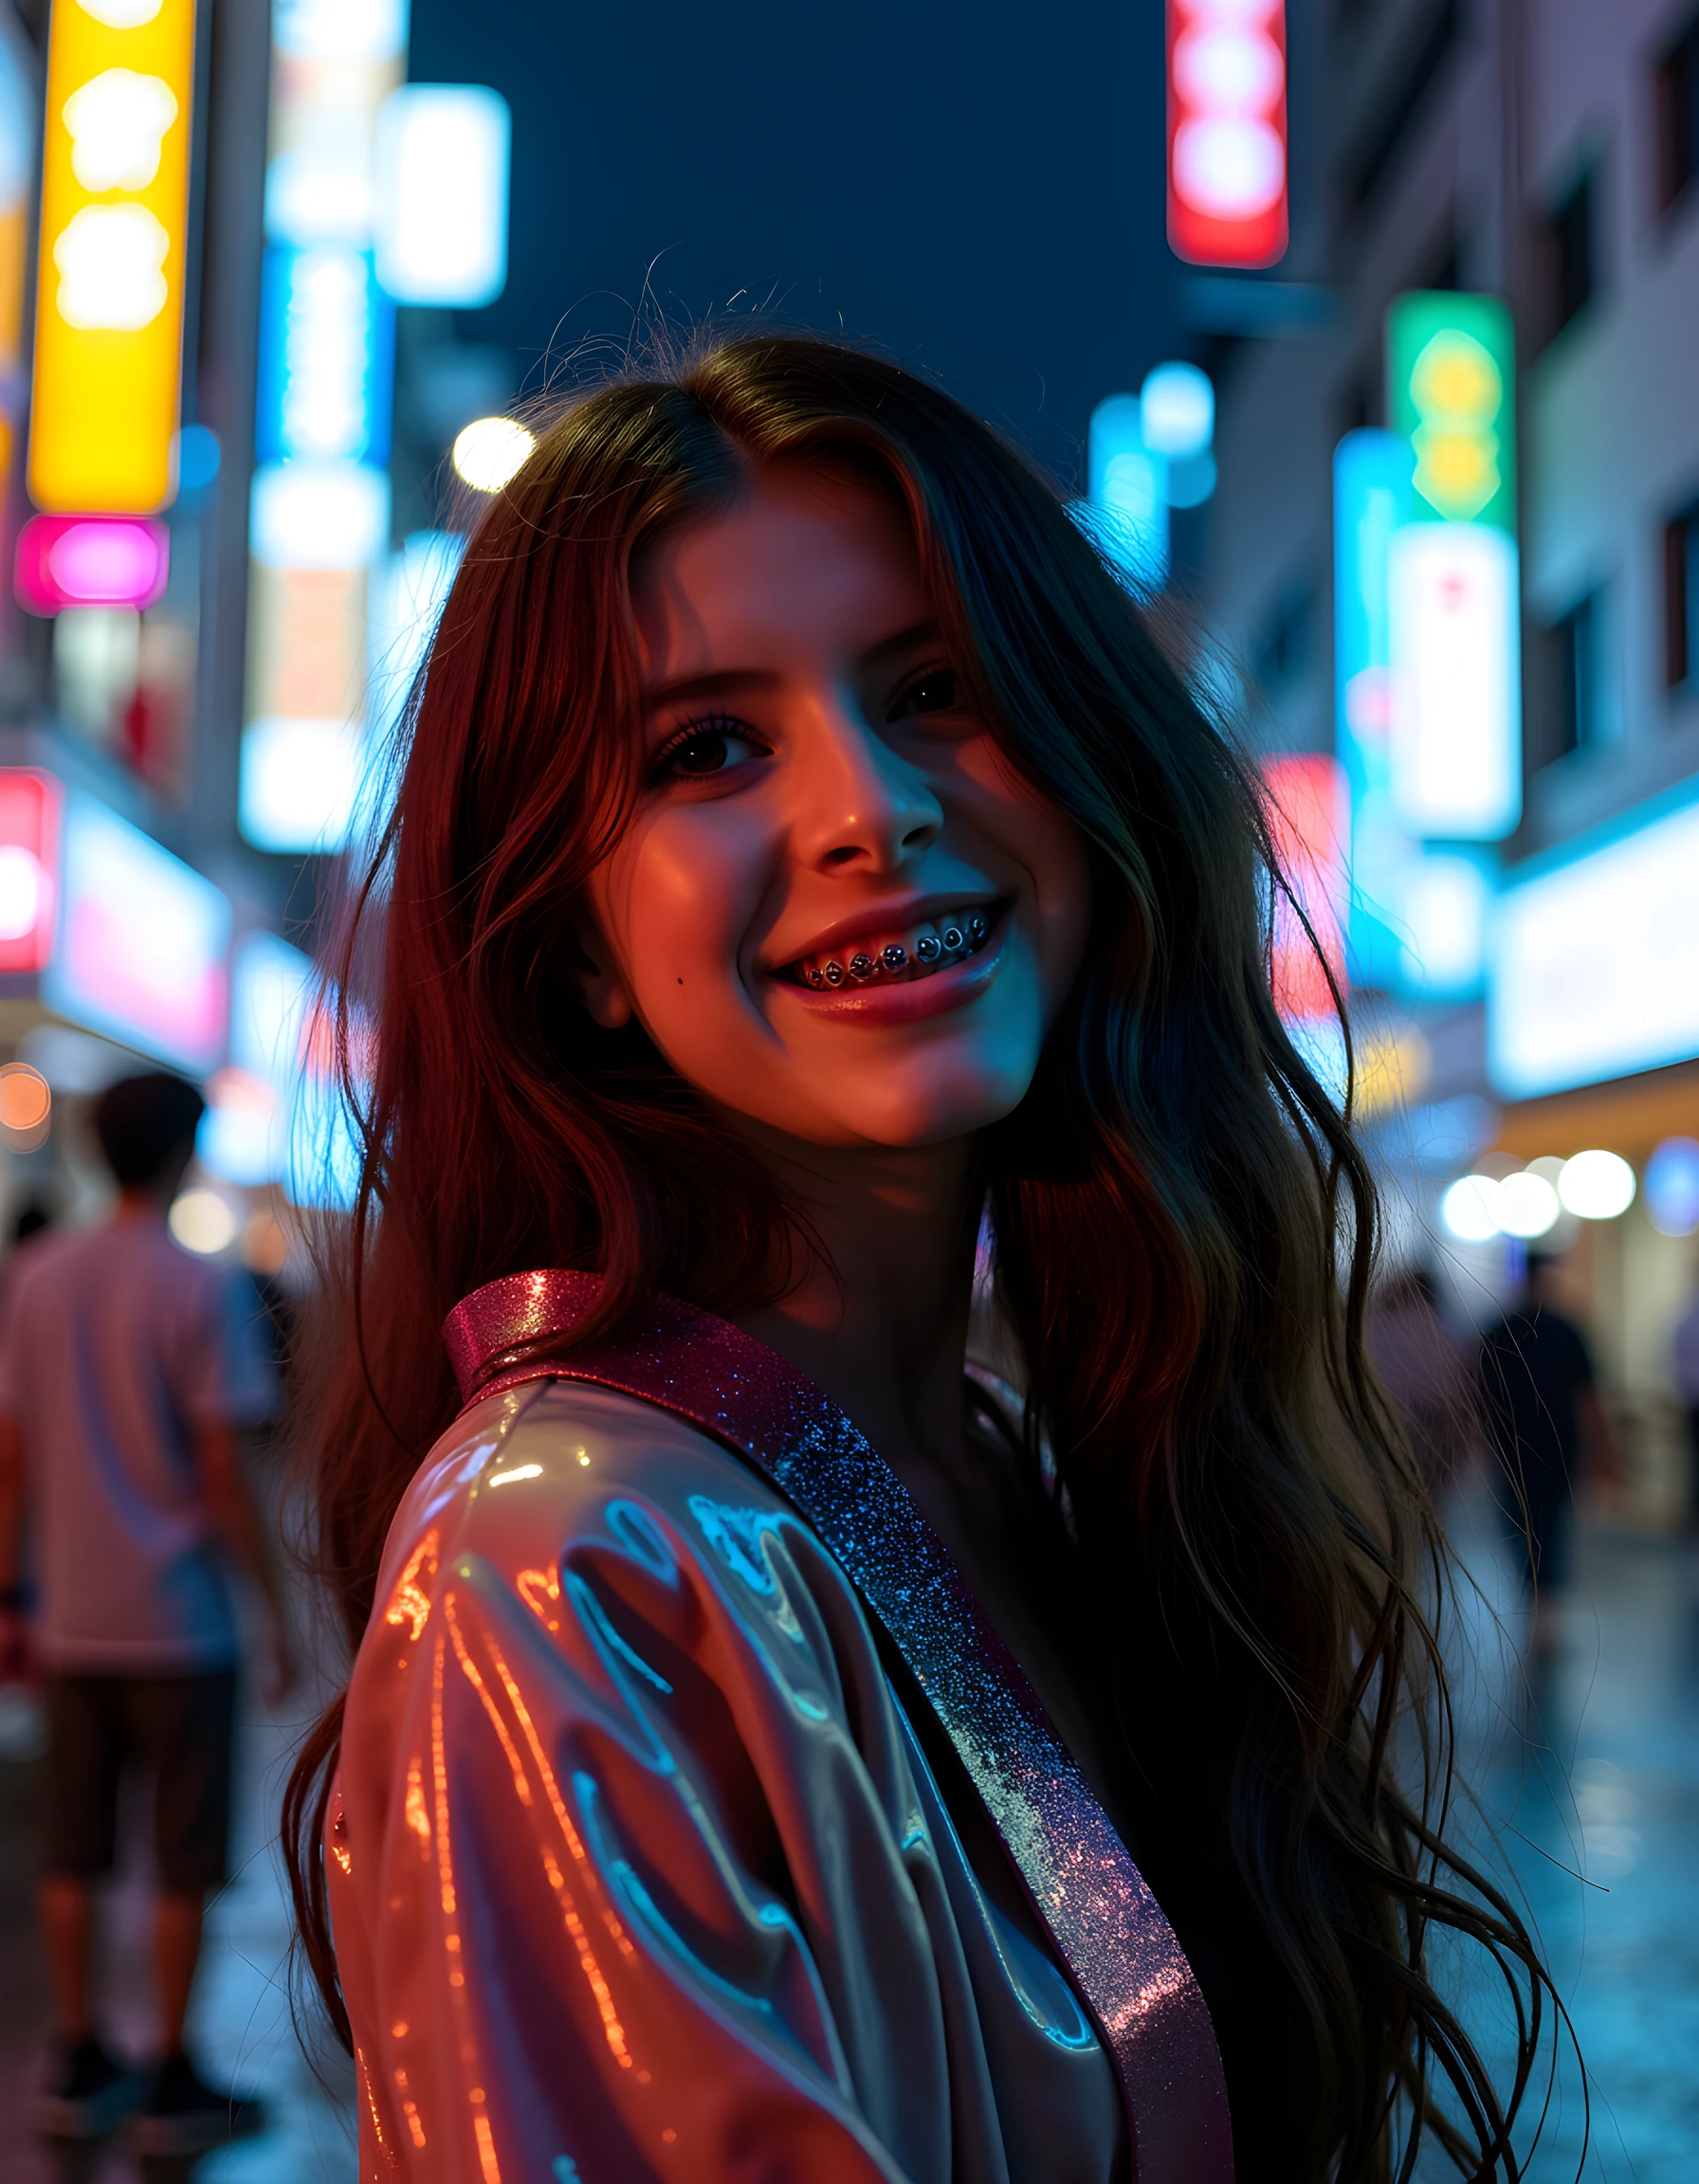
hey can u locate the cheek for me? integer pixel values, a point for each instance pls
(677, 901)
(1044, 843)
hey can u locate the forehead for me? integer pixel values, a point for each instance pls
(806, 565)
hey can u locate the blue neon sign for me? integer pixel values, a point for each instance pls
(327, 347)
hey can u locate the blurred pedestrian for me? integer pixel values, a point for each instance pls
(1424, 1368)
(1685, 1363)
(128, 1370)
(1544, 1421)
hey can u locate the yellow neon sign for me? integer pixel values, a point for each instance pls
(109, 300)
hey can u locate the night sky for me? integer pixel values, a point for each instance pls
(974, 188)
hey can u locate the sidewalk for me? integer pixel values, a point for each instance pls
(239, 2027)
(1589, 1772)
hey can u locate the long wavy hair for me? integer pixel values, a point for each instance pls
(1183, 1223)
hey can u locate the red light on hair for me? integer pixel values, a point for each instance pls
(1227, 164)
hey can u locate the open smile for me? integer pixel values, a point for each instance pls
(902, 955)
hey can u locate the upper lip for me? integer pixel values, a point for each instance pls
(882, 917)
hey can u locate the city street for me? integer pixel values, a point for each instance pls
(240, 2026)
(1604, 1783)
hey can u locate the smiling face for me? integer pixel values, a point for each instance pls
(837, 909)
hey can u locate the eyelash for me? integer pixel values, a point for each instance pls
(686, 733)
(725, 724)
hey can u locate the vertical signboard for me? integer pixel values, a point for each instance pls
(1371, 499)
(1227, 131)
(1308, 810)
(320, 510)
(109, 295)
(1450, 395)
(1456, 698)
(440, 194)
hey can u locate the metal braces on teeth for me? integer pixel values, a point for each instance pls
(894, 957)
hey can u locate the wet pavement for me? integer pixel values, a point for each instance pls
(1589, 1774)
(240, 2029)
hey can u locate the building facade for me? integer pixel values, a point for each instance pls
(1544, 153)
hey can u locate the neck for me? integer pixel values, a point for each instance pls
(880, 1317)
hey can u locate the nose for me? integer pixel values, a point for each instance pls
(861, 806)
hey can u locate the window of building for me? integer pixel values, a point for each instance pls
(1678, 115)
(1572, 260)
(1580, 689)
(1681, 599)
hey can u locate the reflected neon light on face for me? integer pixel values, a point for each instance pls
(837, 910)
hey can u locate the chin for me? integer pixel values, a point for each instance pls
(932, 1107)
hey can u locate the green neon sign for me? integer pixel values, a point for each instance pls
(1451, 395)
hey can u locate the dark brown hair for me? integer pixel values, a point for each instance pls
(1183, 1223)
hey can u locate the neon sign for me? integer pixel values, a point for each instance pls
(1227, 131)
(1455, 667)
(114, 203)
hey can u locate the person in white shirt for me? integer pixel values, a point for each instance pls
(128, 1372)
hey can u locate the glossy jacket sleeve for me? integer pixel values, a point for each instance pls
(630, 1876)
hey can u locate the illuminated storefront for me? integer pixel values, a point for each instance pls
(104, 929)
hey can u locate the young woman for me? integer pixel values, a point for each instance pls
(774, 1751)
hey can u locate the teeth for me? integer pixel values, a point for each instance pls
(906, 956)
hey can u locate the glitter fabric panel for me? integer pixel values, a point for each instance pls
(1109, 1928)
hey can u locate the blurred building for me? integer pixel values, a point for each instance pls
(1546, 155)
(221, 565)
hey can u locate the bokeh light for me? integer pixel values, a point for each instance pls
(1177, 409)
(1672, 1186)
(25, 1106)
(1596, 1185)
(489, 451)
(1473, 1209)
(203, 1221)
(1529, 1205)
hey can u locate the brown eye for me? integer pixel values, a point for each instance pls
(934, 693)
(704, 754)
(703, 748)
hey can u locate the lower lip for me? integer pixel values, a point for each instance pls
(910, 1000)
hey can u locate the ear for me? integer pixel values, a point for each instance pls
(601, 985)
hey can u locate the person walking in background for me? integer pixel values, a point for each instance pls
(128, 1370)
(1545, 1421)
(1684, 1364)
(1425, 1370)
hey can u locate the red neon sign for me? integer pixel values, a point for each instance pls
(29, 813)
(1227, 168)
(1308, 810)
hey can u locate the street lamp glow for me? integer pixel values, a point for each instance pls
(489, 452)
(203, 1221)
(1596, 1185)
(1529, 1207)
(1473, 1209)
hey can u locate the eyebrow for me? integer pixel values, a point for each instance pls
(724, 679)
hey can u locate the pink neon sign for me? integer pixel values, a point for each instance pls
(91, 561)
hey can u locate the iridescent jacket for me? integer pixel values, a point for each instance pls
(692, 1824)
